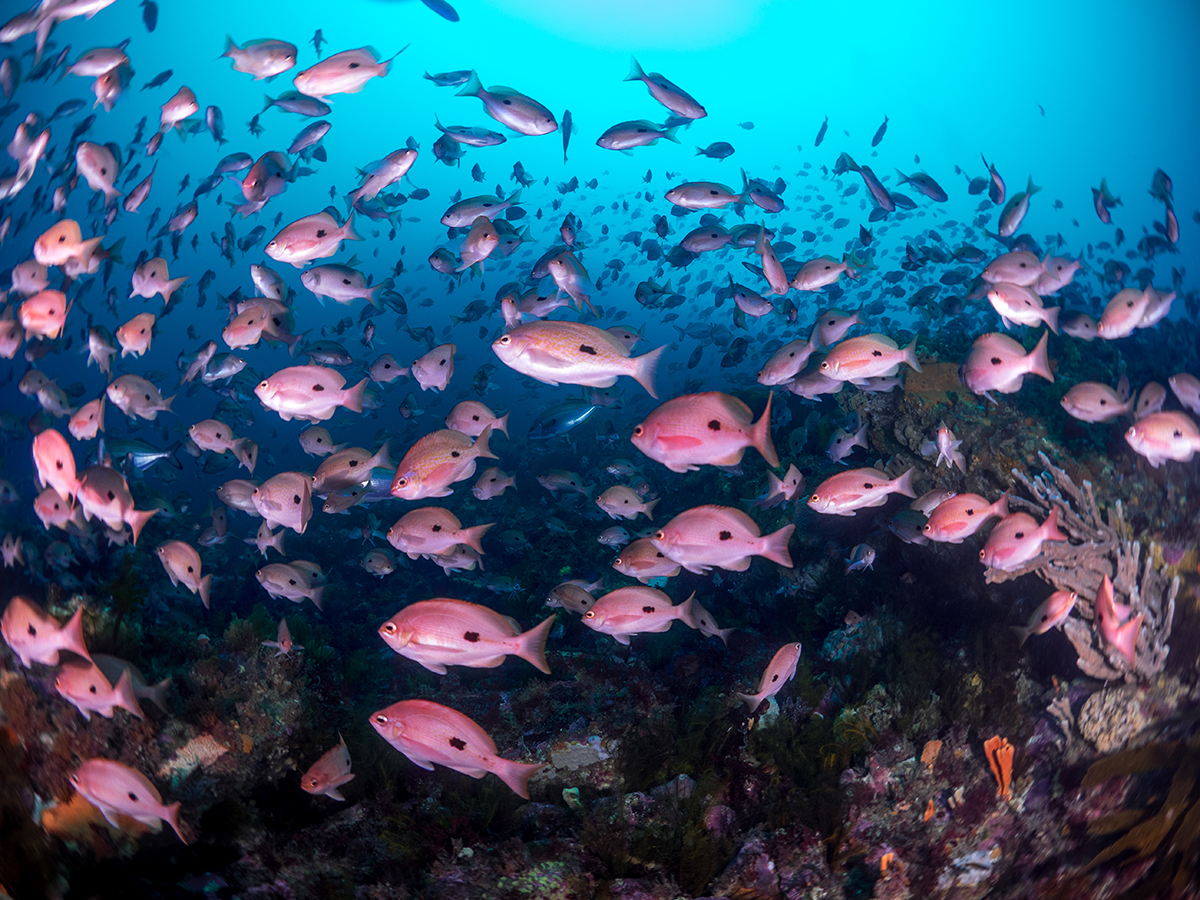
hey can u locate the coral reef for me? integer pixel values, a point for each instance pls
(1098, 547)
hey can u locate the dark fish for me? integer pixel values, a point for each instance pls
(694, 359)
(821, 132)
(450, 79)
(150, 14)
(736, 352)
(443, 9)
(880, 133)
(560, 418)
(567, 127)
(66, 108)
(158, 80)
(317, 40)
(716, 150)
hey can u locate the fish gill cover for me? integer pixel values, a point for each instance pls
(831, 376)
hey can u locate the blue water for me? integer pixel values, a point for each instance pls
(1064, 94)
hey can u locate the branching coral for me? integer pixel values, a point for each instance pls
(1097, 548)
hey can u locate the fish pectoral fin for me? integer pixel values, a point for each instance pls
(490, 663)
(546, 360)
(437, 669)
(740, 566)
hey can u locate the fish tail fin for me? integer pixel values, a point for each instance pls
(670, 134)
(473, 537)
(776, 545)
(1125, 640)
(649, 508)
(348, 232)
(158, 694)
(644, 368)
(383, 456)
(123, 694)
(229, 46)
(635, 71)
(533, 645)
(137, 519)
(1050, 529)
(760, 436)
(687, 612)
(276, 542)
(752, 700)
(268, 102)
(903, 484)
(1000, 507)
(1052, 318)
(910, 355)
(315, 595)
(171, 287)
(1031, 188)
(171, 815)
(516, 775)
(246, 452)
(205, 590)
(515, 197)
(482, 451)
(473, 87)
(353, 398)
(1039, 362)
(1022, 634)
(71, 636)
(501, 424)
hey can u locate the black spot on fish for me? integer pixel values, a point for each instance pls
(133, 796)
(774, 678)
(970, 512)
(58, 464)
(191, 570)
(291, 581)
(647, 609)
(320, 232)
(584, 348)
(471, 636)
(354, 65)
(111, 496)
(876, 353)
(318, 387)
(296, 499)
(714, 425)
(91, 688)
(1019, 535)
(32, 631)
(436, 529)
(725, 536)
(996, 360)
(458, 743)
(455, 454)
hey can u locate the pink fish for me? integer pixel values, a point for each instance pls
(845, 493)
(104, 494)
(704, 429)
(444, 632)
(82, 684)
(429, 733)
(643, 561)
(55, 463)
(1091, 401)
(623, 502)
(1018, 539)
(35, 636)
(637, 610)
(998, 363)
(329, 773)
(432, 531)
(1109, 615)
(1052, 613)
(312, 393)
(471, 417)
(115, 789)
(492, 483)
(438, 460)
(113, 668)
(781, 490)
(283, 642)
(707, 536)
(859, 358)
(961, 515)
(1162, 436)
(780, 670)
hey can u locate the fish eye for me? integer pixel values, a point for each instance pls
(390, 628)
(381, 720)
(982, 554)
(659, 535)
(590, 614)
(505, 340)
